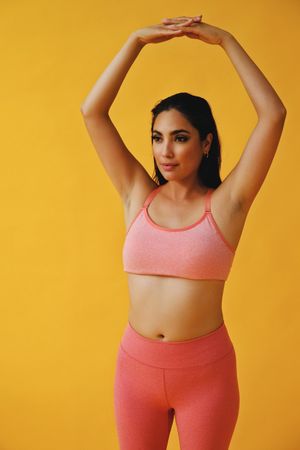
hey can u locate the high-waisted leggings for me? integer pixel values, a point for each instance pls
(194, 380)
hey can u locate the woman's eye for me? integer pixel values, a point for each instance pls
(182, 138)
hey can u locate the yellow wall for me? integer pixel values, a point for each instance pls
(64, 297)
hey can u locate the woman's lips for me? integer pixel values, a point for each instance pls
(169, 166)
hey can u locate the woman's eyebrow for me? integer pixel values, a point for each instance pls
(172, 132)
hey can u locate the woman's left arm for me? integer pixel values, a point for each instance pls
(246, 178)
(244, 181)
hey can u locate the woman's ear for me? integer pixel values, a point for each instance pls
(208, 141)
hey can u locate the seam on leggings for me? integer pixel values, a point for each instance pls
(165, 388)
(176, 368)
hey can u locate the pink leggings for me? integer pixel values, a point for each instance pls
(194, 379)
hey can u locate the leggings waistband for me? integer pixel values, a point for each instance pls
(197, 351)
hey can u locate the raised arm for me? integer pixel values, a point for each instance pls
(120, 164)
(248, 175)
(244, 181)
(122, 167)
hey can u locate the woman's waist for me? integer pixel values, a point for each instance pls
(168, 321)
(175, 310)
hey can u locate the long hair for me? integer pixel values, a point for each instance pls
(198, 112)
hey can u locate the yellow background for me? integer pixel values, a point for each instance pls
(64, 297)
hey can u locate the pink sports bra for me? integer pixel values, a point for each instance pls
(198, 251)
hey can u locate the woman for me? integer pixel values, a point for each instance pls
(176, 358)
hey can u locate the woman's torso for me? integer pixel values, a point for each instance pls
(172, 308)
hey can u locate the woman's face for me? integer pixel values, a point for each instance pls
(175, 141)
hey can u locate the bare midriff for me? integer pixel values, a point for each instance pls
(173, 308)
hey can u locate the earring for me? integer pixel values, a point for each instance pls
(207, 154)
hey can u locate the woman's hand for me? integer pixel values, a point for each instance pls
(197, 29)
(161, 32)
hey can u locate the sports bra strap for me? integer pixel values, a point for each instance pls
(151, 196)
(208, 199)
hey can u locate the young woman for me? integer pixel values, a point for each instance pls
(176, 358)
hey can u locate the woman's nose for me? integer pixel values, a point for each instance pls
(167, 149)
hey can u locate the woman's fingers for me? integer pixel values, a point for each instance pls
(176, 25)
(181, 25)
(182, 19)
(183, 22)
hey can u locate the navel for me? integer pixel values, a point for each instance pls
(161, 336)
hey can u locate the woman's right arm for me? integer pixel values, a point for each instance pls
(119, 163)
(124, 170)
